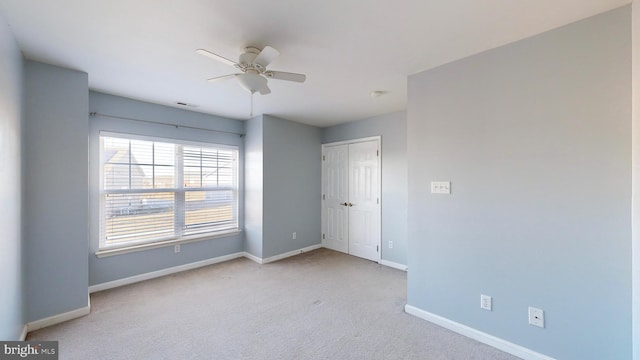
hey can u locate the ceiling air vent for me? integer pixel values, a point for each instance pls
(181, 103)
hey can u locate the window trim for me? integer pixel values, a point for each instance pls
(135, 246)
(165, 243)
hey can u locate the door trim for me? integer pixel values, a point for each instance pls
(353, 141)
(322, 203)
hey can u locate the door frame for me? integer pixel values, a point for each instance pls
(378, 139)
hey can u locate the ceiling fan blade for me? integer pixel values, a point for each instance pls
(224, 77)
(264, 90)
(217, 57)
(266, 56)
(281, 75)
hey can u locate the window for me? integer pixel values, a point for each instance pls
(155, 190)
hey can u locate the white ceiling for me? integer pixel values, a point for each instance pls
(144, 49)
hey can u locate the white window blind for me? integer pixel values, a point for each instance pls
(155, 190)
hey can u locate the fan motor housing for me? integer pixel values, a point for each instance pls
(250, 53)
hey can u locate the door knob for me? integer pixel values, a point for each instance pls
(350, 204)
(344, 204)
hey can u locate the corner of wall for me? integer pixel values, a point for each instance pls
(13, 254)
(291, 185)
(253, 186)
(635, 166)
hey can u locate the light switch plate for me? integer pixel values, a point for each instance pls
(441, 187)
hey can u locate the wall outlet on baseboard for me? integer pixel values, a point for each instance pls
(176, 248)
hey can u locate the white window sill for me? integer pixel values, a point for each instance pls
(141, 247)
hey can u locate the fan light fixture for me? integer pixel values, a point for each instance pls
(252, 82)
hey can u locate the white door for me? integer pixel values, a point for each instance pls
(364, 214)
(335, 183)
(351, 198)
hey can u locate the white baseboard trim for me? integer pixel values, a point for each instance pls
(163, 272)
(23, 334)
(477, 335)
(60, 318)
(252, 257)
(394, 265)
(194, 265)
(291, 253)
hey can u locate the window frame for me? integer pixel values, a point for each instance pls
(179, 191)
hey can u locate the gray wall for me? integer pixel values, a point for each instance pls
(253, 159)
(535, 139)
(125, 265)
(55, 189)
(635, 191)
(291, 183)
(393, 130)
(282, 169)
(11, 115)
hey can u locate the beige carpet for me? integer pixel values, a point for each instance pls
(318, 305)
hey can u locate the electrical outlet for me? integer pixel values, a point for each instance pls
(176, 248)
(486, 302)
(293, 236)
(536, 317)
(390, 244)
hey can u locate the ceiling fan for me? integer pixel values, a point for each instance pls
(253, 63)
